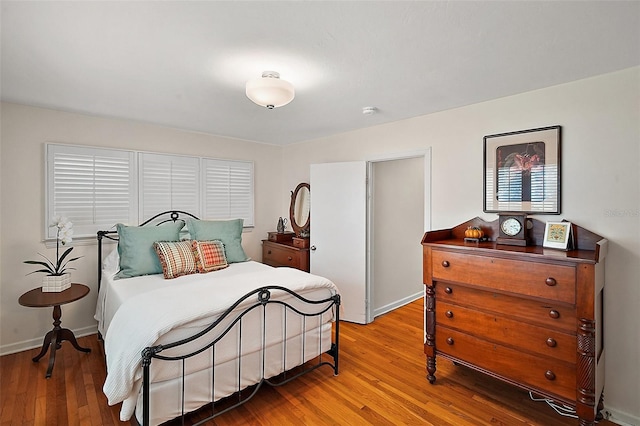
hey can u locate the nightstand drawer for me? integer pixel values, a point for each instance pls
(544, 280)
(278, 256)
(508, 332)
(553, 376)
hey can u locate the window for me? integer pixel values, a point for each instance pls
(228, 190)
(168, 182)
(93, 187)
(97, 187)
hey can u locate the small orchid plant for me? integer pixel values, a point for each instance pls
(64, 234)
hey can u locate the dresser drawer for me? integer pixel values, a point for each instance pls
(508, 332)
(547, 314)
(536, 279)
(278, 255)
(547, 374)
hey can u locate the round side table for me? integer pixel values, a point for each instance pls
(36, 298)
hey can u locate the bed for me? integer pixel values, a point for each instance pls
(174, 345)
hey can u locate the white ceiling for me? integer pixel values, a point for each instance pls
(185, 64)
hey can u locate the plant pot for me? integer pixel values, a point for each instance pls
(56, 283)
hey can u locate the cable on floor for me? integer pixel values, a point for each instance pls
(563, 410)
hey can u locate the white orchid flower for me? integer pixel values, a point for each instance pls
(65, 235)
(60, 222)
(65, 228)
(55, 221)
(64, 223)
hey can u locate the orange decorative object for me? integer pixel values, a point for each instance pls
(474, 232)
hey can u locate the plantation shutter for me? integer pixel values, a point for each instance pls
(228, 191)
(168, 182)
(93, 187)
(96, 188)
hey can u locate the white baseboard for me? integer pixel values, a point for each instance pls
(620, 418)
(395, 305)
(26, 345)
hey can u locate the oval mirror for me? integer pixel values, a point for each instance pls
(299, 210)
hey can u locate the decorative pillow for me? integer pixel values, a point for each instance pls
(176, 258)
(227, 231)
(135, 247)
(209, 255)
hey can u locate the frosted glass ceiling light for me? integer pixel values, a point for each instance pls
(269, 91)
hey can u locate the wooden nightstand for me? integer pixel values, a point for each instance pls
(285, 254)
(36, 298)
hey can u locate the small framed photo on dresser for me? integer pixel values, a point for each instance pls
(558, 235)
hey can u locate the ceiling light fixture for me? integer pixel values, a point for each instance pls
(269, 91)
(369, 110)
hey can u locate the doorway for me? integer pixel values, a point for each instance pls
(397, 212)
(357, 241)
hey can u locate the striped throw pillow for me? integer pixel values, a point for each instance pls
(176, 258)
(209, 255)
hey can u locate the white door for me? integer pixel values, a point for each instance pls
(339, 232)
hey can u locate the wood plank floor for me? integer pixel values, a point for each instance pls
(381, 382)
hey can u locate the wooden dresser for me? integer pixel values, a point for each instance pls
(530, 316)
(285, 254)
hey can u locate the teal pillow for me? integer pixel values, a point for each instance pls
(135, 247)
(227, 231)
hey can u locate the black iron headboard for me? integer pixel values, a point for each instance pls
(167, 216)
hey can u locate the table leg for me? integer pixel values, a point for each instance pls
(54, 339)
(52, 353)
(66, 334)
(45, 346)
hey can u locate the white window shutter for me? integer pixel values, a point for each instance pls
(228, 190)
(92, 187)
(99, 187)
(168, 182)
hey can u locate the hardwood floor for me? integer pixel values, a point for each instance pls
(381, 382)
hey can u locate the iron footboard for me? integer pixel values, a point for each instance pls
(231, 319)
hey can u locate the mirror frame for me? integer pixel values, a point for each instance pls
(297, 228)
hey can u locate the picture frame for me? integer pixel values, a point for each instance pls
(558, 235)
(521, 171)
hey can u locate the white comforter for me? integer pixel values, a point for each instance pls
(144, 318)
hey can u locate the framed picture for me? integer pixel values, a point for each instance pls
(558, 235)
(522, 171)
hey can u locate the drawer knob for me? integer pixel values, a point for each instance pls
(269, 252)
(445, 263)
(449, 314)
(448, 290)
(550, 375)
(449, 340)
(551, 342)
(550, 281)
(289, 257)
(554, 314)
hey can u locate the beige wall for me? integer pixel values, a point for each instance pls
(600, 119)
(24, 131)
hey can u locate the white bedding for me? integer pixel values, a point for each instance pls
(144, 311)
(114, 292)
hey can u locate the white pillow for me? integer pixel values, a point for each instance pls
(111, 263)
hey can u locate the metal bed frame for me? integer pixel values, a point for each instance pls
(261, 297)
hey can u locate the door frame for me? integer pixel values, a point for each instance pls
(426, 155)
